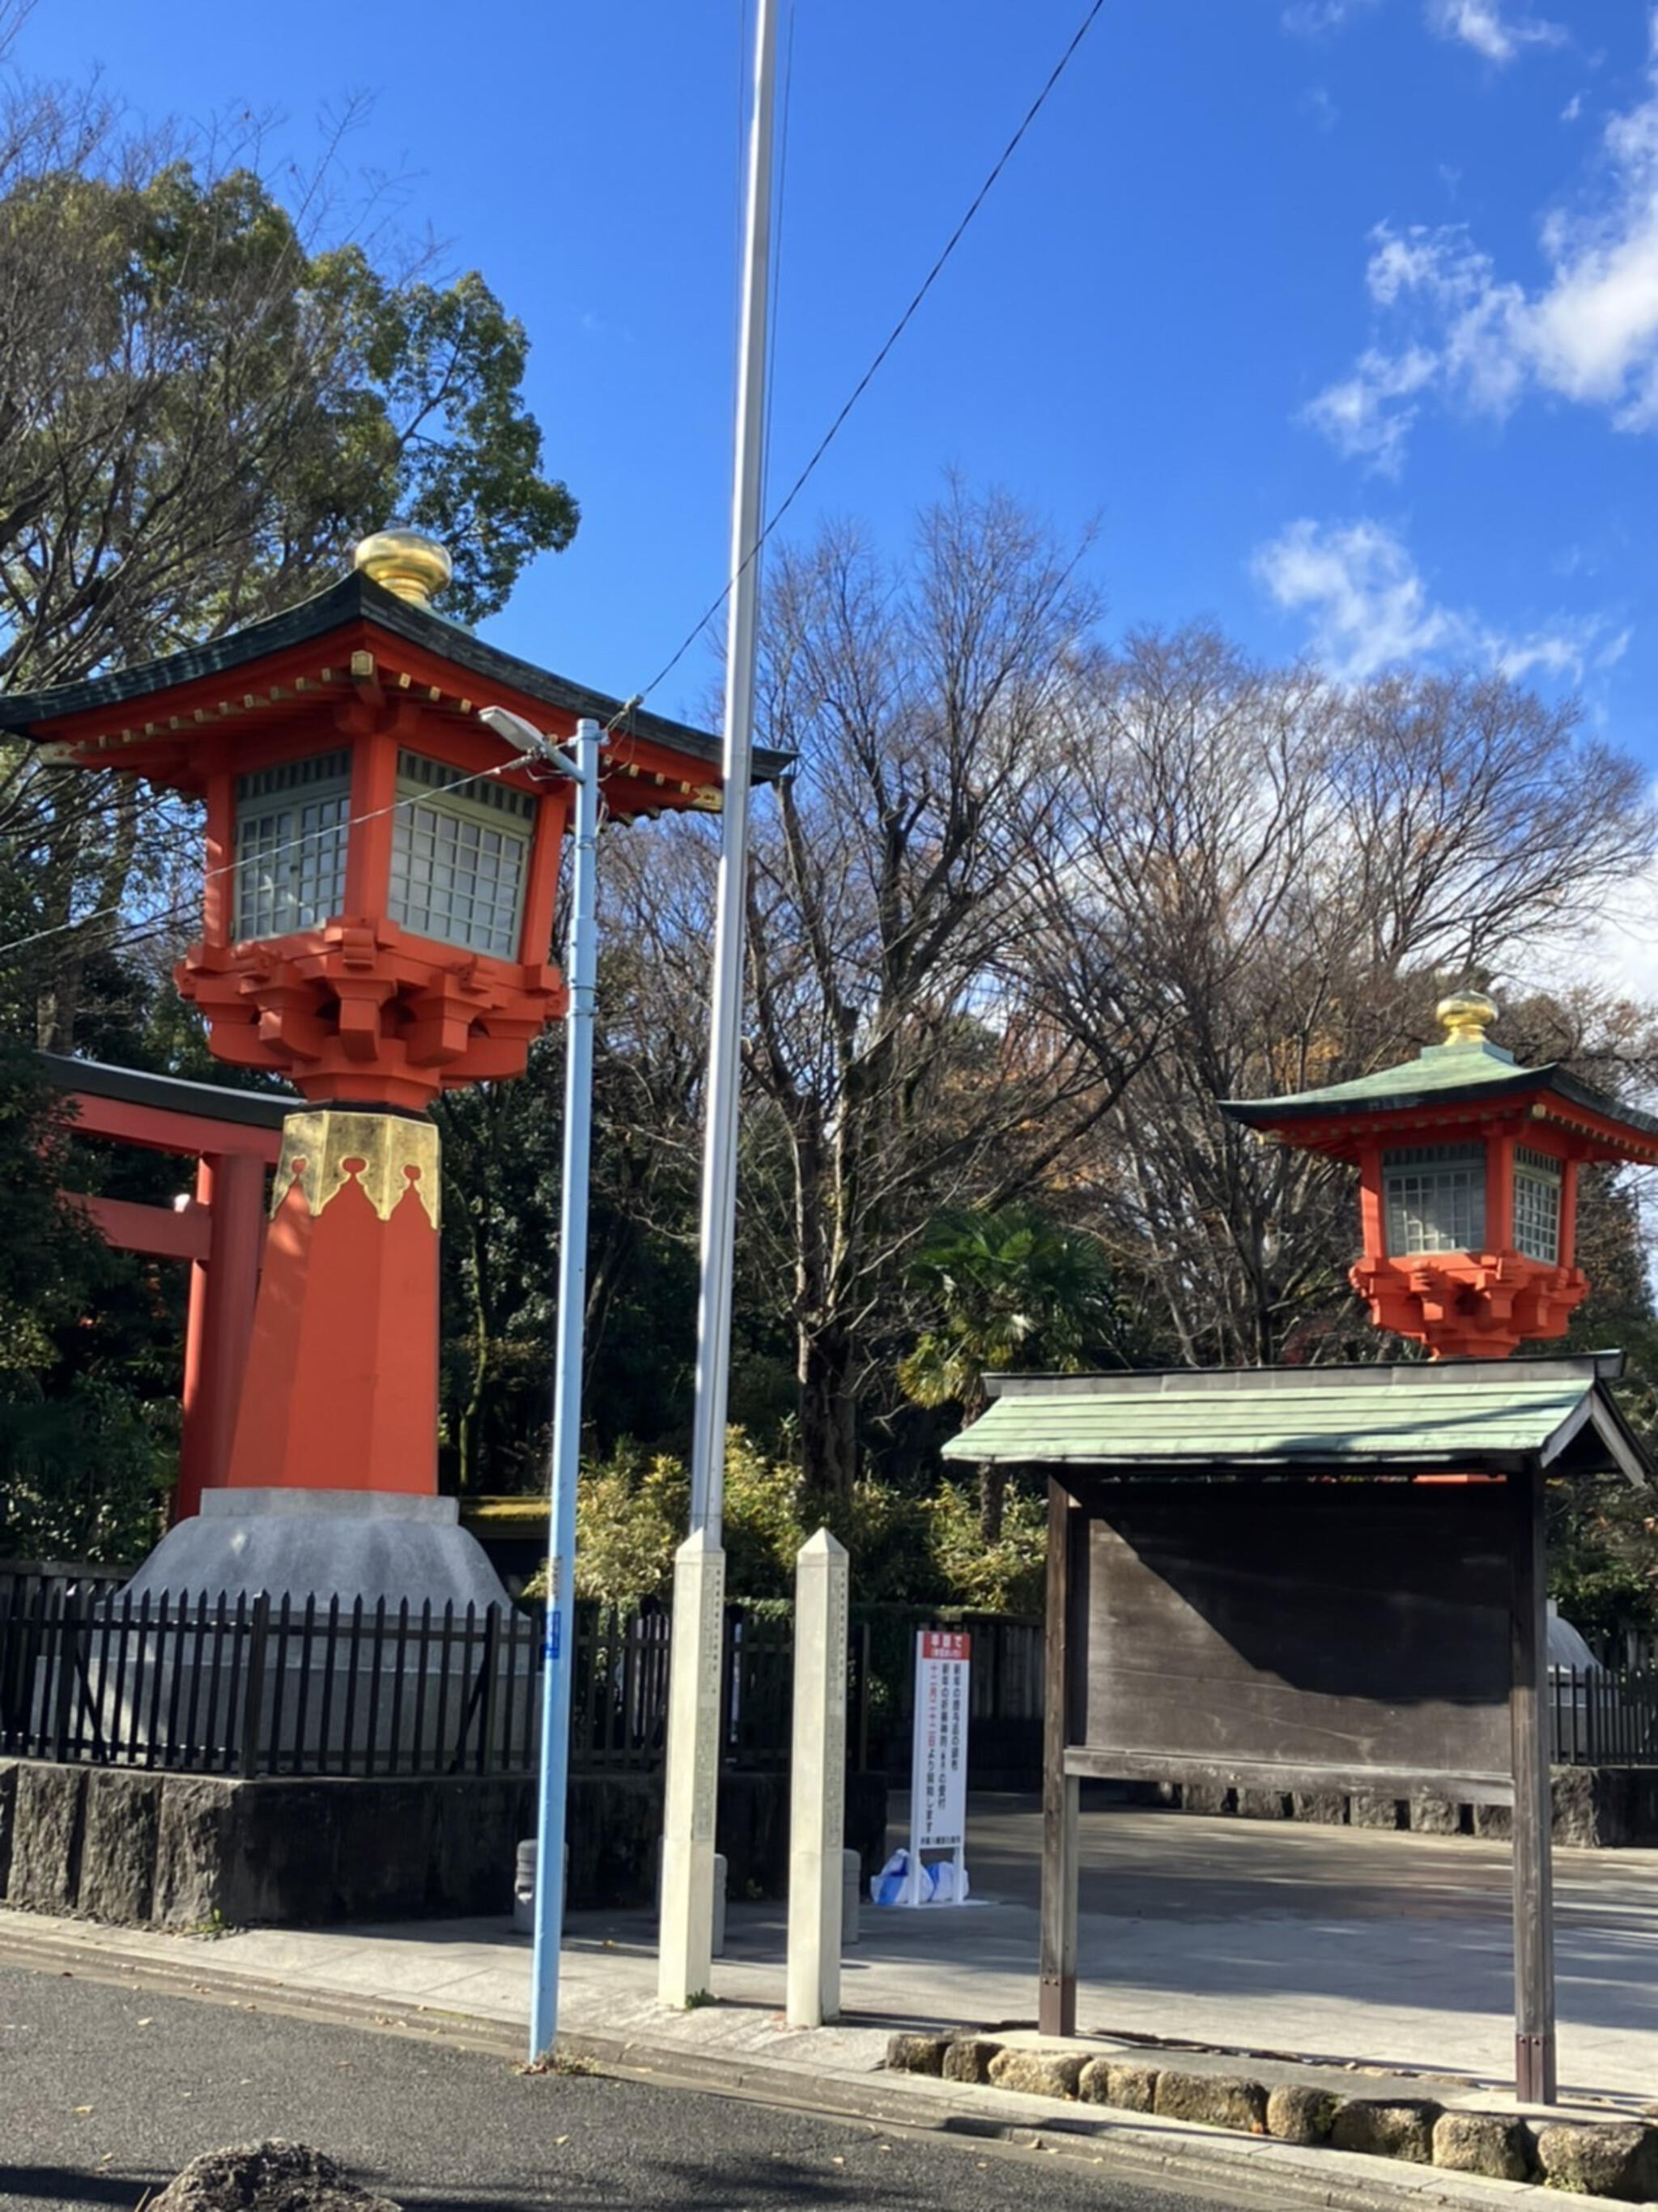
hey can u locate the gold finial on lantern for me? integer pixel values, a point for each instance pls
(405, 563)
(1465, 1016)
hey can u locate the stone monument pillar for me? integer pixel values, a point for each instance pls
(692, 1802)
(817, 1782)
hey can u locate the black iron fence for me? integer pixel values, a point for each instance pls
(185, 1685)
(255, 1687)
(619, 1688)
(1603, 1717)
(757, 1688)
(18, 1577)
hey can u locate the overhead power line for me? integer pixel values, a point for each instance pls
(159, 920)
(179, 907)
(891, 340)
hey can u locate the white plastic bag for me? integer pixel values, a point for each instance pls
(888, 1887)
(937, 1885)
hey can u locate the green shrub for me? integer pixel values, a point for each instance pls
(1005, 1576)
(82, 1475)
(633, 1510)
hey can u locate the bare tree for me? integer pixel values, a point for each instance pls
(1299, 871)
(1027, 910)
(898, 1074)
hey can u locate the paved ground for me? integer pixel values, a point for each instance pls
(107, 2094)
(1386, 1952)
(1393, 1950)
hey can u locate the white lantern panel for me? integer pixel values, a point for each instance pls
(459, 857)
(1434, 1196)
(1537, 1203)
(291, 829)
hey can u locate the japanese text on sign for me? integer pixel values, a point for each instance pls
(939, 1781)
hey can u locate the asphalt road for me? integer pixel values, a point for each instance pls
(104, 2094)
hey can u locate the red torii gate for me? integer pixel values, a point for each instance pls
(234, 1137)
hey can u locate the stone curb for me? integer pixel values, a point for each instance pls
(1149, 2147)
(1615, 2158)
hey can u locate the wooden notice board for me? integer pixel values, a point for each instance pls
(1314, 1579)
(1304, 1629)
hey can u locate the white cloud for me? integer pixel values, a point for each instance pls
(1366, 603)
(1313, 19)
(1356, 414)
(1573, 108)
(1367, 608)
(1587, 333)
(1481, 24)
(1619, 952)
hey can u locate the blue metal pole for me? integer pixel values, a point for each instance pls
(553, 1779)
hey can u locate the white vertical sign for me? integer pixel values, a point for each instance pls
(938, 1787)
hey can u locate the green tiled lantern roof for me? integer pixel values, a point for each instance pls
(1466, 1070)
(1437, 1068)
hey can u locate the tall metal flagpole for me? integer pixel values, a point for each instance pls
(699, 1576)
(582, 975)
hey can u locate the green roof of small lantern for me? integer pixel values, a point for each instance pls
(1467, 1069)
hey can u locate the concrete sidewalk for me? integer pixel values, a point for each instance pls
(1363, 1951)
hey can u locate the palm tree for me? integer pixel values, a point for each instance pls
(1010, 1290)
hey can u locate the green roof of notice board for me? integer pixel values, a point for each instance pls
(1477, 1415)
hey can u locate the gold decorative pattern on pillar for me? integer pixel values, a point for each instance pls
(385, 1155)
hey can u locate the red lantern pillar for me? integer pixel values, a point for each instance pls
(341, 1388)
(382, 872)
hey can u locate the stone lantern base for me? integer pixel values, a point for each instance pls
(322, 1544)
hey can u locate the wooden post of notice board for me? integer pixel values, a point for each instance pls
(1056, 2004)
(1534, 2062)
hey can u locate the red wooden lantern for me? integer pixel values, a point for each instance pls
(381, 881)
(1468, 1178)
(381, 869)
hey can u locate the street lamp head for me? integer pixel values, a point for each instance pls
(513, 730)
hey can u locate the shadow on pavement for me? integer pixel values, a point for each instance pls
(24, 2186)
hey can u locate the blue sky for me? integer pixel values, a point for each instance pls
(1340, 317)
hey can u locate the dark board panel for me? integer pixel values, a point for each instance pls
(1341, 1624)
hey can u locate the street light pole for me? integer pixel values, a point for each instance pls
(581, 975)
(726, 1019)
(687, 1931)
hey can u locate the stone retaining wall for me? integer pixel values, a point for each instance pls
(181, 1850)
(1595, 1808)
